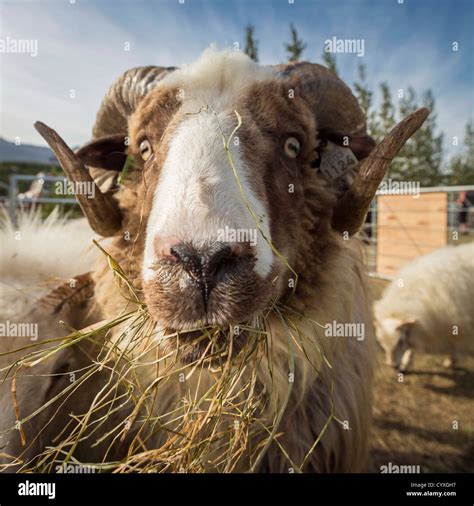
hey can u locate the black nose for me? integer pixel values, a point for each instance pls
(205, 265)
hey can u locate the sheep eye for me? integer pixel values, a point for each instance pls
(145, 149)
(292, 147)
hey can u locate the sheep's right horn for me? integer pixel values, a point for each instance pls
(102, 210)
(118, 104)
(123, 96)
(352, 208)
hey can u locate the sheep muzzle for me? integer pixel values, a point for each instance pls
(213, 285)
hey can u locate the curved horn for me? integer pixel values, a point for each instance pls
(352, 208)
(102, 210)
(122, 99)
(338, 114)
(119, 103)
(335, 107)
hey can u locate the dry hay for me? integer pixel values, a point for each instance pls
(212, 431)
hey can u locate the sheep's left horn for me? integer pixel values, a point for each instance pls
(352, 208)
(102, 211)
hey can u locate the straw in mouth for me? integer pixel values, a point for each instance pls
(209, 345)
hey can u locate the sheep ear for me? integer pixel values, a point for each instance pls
(406, 323)
(393, 324)
(105, 158)
(108, 153)
(405, 328)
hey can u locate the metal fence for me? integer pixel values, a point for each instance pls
(401, 227)
(396, 230)
(39, 192)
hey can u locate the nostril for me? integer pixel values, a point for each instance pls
(206, 265)
(164, 245)
(214, 257)
(202, 264)
(188, 257)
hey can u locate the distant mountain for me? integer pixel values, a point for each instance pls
(10, 152)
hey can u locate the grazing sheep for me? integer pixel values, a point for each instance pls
(223, 144)
(35, 257)
(429, 306)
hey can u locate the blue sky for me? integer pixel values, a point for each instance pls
(81, 47)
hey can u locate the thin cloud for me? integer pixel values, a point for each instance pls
(81, 48)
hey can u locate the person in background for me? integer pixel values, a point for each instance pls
(464, 202)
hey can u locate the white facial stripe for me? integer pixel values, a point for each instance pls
(197, 194)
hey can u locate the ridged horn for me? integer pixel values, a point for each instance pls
(334, 106)
(102, 210)
(337, 112)
(122, 99)
(119, 103)
(352, 208)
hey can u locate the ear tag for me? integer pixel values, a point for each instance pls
(336, 161)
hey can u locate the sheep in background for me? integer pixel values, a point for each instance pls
(429, 306)
(33, 263)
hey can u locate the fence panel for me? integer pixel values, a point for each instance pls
(401, 228)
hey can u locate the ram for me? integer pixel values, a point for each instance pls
(200, 352)
(429, 306)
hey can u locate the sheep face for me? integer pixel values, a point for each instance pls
(220, 238)
(223, 216)
(395, 336)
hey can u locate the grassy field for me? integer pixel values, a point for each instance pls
(414, 420)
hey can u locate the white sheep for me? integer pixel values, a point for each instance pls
(429, 306)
